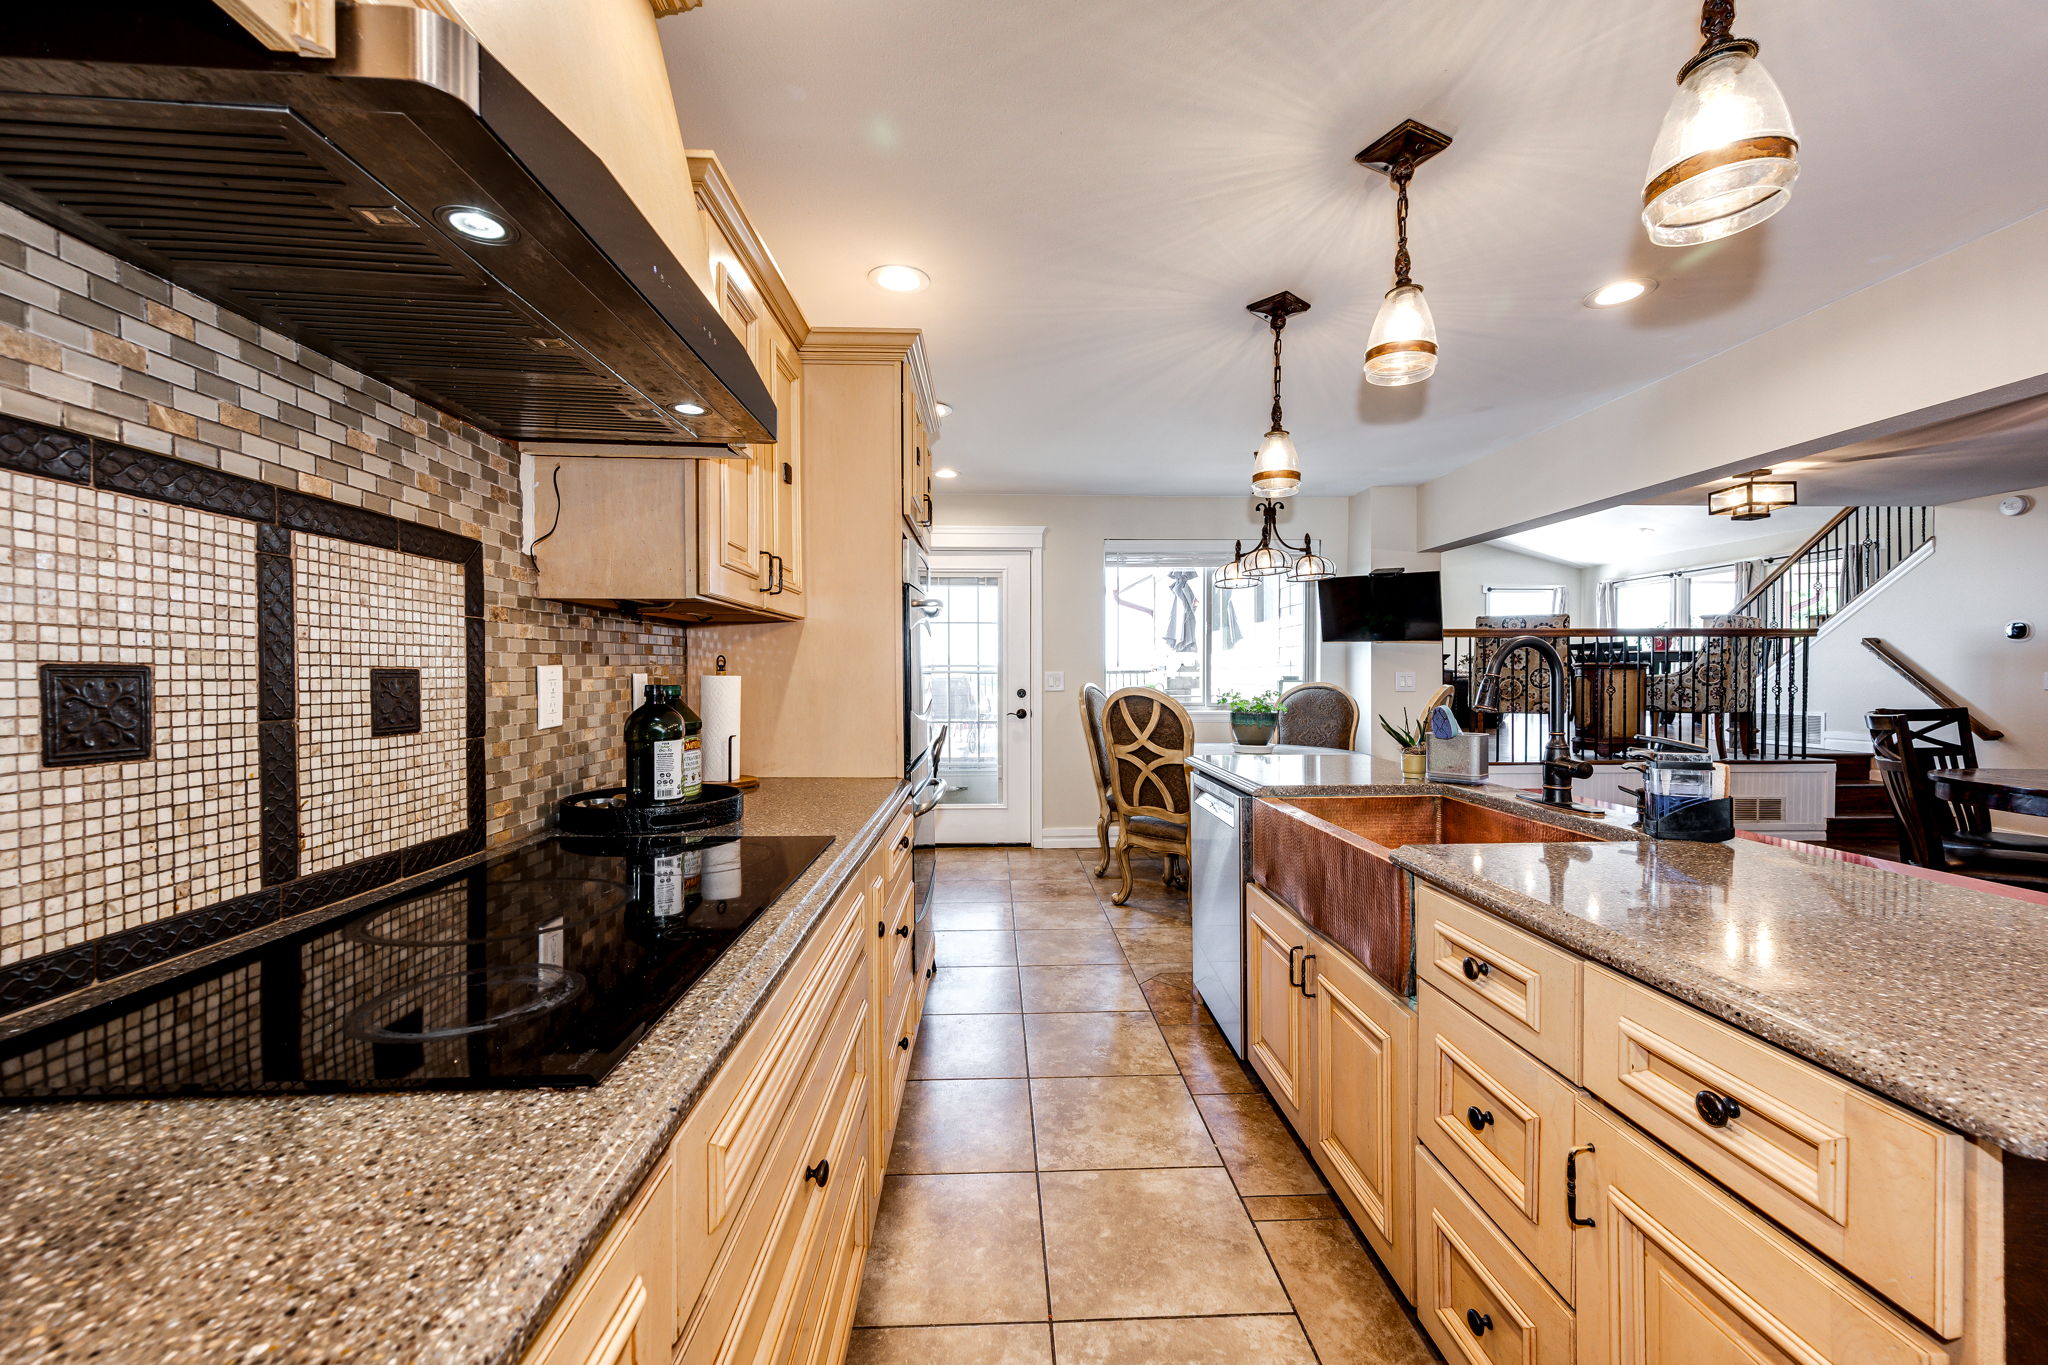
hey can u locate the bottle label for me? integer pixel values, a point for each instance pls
(668, 770)
(668, 886)
(693, 768)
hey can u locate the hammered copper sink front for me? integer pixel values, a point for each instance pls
(1330, 859)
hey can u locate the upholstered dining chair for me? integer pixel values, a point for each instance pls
(1909, 747)
(1148, 736)
(1319, 714)
(1525, 680)
(1720, 684)
(1092, 700)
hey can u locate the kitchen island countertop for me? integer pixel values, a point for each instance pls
(411, 1227)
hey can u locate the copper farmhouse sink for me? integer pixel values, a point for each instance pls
(1330, 858)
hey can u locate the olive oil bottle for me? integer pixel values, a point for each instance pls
(664, 749)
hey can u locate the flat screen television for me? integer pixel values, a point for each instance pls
(1381, 606)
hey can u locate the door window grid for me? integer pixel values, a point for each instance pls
(963, 672)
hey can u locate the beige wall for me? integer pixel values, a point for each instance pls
(1469, 572)
(1948, 616)
(1756, 547)
(598, 66)
(1076, 529)
(1864, 364)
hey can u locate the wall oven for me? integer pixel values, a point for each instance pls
(921, 747)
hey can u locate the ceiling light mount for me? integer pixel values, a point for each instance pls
(1276, 469)
(1402, 346)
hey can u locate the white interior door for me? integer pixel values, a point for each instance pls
(977, 664)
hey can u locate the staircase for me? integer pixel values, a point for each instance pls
(1840, 562)
(1863, 821)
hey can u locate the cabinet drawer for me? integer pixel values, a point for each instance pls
(749, 1309)
(1475, 1295)
(1501, 1124)
(895, 848)
(621, 1310)
(1519, 984)
(1874, 1187)
(1675, 1270)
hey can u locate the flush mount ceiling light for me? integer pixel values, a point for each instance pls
(899, 279)
(1276, 469)
(1620, 292)
(946, 473)
(1753, 496)
(688, 409)
(943, 409)
(1402, 346)
(1727, 154)
(479, 225)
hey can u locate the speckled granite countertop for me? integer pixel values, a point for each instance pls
(424, 1227)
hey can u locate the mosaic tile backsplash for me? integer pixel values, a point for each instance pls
(290, 601)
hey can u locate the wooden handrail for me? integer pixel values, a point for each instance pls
(1934, 691)
(1785, 564)
(1615, 632)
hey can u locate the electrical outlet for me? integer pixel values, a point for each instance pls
(547, 691)
(639, 691)
(1055, 682)
(1404, 682)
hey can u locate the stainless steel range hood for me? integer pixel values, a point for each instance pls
(315, 196)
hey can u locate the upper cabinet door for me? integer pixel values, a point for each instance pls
(732, 556)
(784, 480)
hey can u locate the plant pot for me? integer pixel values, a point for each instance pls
(1415, 764)
(1254, 729)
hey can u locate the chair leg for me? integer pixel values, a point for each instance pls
(1745, 732)
(1102, 838)
(1123, 862)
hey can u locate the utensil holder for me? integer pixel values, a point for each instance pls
(1460, 759)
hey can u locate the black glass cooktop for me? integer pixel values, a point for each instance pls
(538, 968)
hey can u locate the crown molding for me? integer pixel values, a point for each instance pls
(717, 198)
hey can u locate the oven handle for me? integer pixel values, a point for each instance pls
(920, 807)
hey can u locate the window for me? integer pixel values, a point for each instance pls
(1167, 626)
(1524, 601)
(1710, 592)
(1682, 600)
(1642, 603)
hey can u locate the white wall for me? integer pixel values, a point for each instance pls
(1756, 547)
(1470, 571)
(1076, 529)
(1948, 616)
(1860, 367)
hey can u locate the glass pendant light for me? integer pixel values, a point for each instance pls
(1232, 575)
(1263, 560)
(1276, 469)
(1311, 566)
(1401, 348)
(1727, 154)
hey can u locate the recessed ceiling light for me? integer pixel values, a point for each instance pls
(899, 279)
(689, 409)
(1619, 292)
(477, 224)
(947, 473)
(943, 409)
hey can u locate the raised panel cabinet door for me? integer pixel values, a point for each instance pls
(1675, 1272)
(1363, 1046)
(785, 480)
(732, 563)
(1276, 1012)
(1478, 1299)
(621, 1310)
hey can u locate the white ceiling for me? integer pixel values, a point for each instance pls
(1621, 535)
(1097, 189)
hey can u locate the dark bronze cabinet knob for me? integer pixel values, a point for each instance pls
(1716, 1109)
(904, 1043)
(1474, 968)
(1478, 1118)
(821, 1172)
(1479, 1322)
(903, 931)
(904, 842)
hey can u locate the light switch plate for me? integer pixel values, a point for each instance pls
(547, 690)
(639, 693)
(1404, 682)
(1055, 682)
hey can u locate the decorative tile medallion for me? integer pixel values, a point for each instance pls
(394, 701)
(95, 713)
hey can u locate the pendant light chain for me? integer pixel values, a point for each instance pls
(1402, 172)
(1279, 321)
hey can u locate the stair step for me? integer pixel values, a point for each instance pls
(1862, 798)
(1882, 828)
(1848, 767)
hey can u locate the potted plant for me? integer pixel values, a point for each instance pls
(1252, 718)
(1409, 735)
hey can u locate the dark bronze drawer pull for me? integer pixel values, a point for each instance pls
(904, 842)
(1716, 1110)
(904, 1042)
(1474, 968)
(903, 931)
(1478, 1321)
(821, 1172)
(1571, 1187)
(1478, 1118)
(1292, 980)
(1304, 976)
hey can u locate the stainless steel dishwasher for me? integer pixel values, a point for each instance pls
(1216, 833)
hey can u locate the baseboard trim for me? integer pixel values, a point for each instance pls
(1071, 836)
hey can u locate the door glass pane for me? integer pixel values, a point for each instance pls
(963, 670)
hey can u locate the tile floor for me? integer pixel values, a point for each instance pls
(1084, 1172)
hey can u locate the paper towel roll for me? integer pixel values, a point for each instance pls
(721, 733)
(723, 875)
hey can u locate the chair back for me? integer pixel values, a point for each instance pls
(1319, 714)
(1092, 700)
(1725, 671)
(1525, 679)
(1910, 746)
(1148, 737)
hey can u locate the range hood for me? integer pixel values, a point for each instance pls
(316, 196)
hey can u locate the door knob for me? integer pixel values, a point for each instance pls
(1020, 713)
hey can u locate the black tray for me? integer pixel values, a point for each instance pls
(605, 813)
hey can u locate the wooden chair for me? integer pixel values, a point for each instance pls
(1718, 685)
(1092, 700)
(1319, 714)
(1148, 738)
(1952, 836)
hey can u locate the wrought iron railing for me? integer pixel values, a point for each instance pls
(1740, 691)
(1840, 562)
